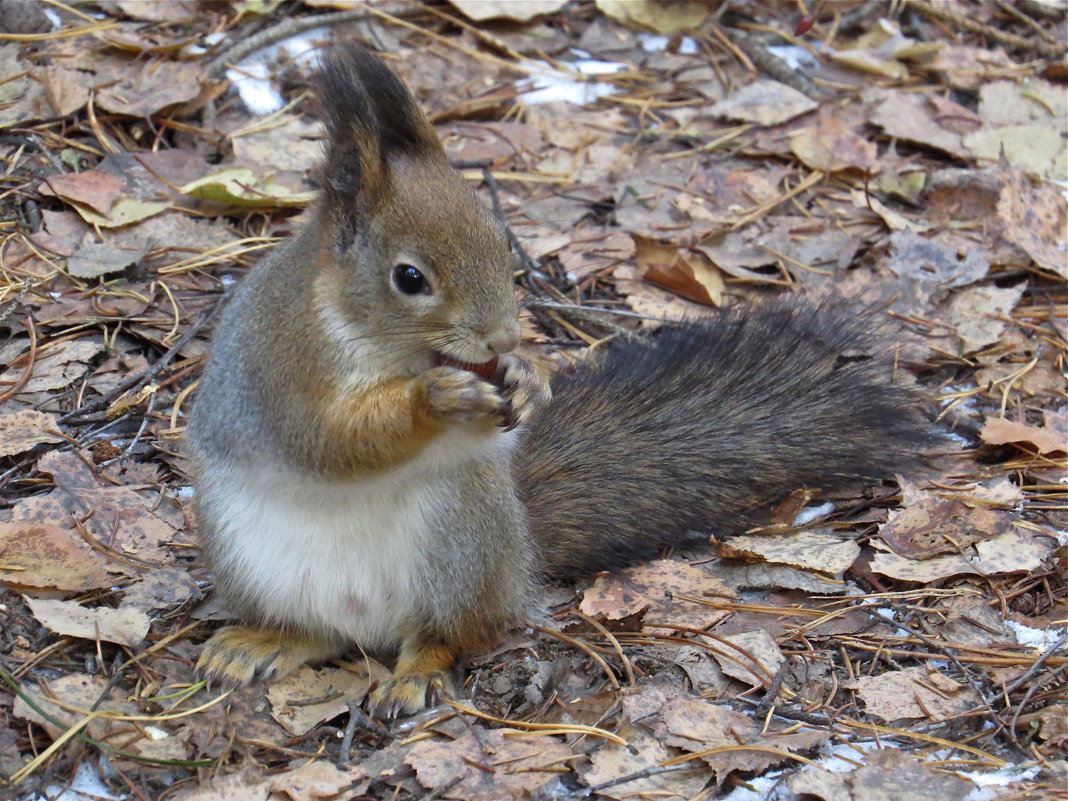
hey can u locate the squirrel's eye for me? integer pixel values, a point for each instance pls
(409, 280)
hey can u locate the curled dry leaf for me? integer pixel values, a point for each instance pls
(688, 273)
(999, 431)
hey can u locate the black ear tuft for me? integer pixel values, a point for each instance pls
(367, 105)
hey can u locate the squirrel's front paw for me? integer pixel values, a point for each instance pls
(458, 396)
(526, 386)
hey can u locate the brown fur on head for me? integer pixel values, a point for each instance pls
(393, 203)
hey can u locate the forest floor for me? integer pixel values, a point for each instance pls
(905, 640)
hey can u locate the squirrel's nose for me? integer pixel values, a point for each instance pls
(504, 339)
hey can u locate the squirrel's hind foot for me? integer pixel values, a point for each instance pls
(236, 655)
(423, 674)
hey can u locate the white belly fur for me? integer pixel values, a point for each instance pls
(342, 557)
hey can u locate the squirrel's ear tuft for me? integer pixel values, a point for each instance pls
(361, 96)
(370, 115)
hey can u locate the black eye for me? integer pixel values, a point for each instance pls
(409, 280)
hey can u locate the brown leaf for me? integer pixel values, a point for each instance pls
(155, 86)
(921, 258)
(812, 550)
(44, 556)
(999, 431)
(650, 587)
(24, 430)
(124, 626)
(974, 313)
(911, 116)
(828, 144)
(334, 684)
(928, 525)
(689, 274)
(94, 189)
(914, 693)
(492, 765)
(739, 663)
(764, 102)
(1035, 218)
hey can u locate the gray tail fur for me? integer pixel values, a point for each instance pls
(704, 426)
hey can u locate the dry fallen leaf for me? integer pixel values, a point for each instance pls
(516, 10)
(999, 431)
(24, 430)
(289, 696)
(44, 556)
(977, 314)
(828, 144)
(813, 550)
(1036, 218)
(916, 692)
(675, 17)
(125, 626)
(739, 663)
(650, 587)
(689, 274)
(491, 765)
(764, 102)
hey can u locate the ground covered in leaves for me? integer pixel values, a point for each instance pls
(654, 160)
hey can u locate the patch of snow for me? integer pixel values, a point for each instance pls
(843, 757)
(989, 784)
(652, 42)
(185, 493)
(656, 43)
(762, 788)
(250, 77)
(86, 786)
(810, 513)
(796, 57)
(255, 88)
(550, 85)
(54, 18)
(1039, 639)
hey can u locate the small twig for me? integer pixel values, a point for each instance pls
(149, 372)
(358, 720)
(20, 382)
(1027, 697)
(277, 33)
(1031, 671)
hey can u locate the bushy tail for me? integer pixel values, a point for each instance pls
(704, 426)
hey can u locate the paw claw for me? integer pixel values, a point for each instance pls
(408, 694)
(236, 655)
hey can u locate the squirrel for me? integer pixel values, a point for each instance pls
(377, 468)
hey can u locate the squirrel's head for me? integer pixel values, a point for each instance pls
(413, 257)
